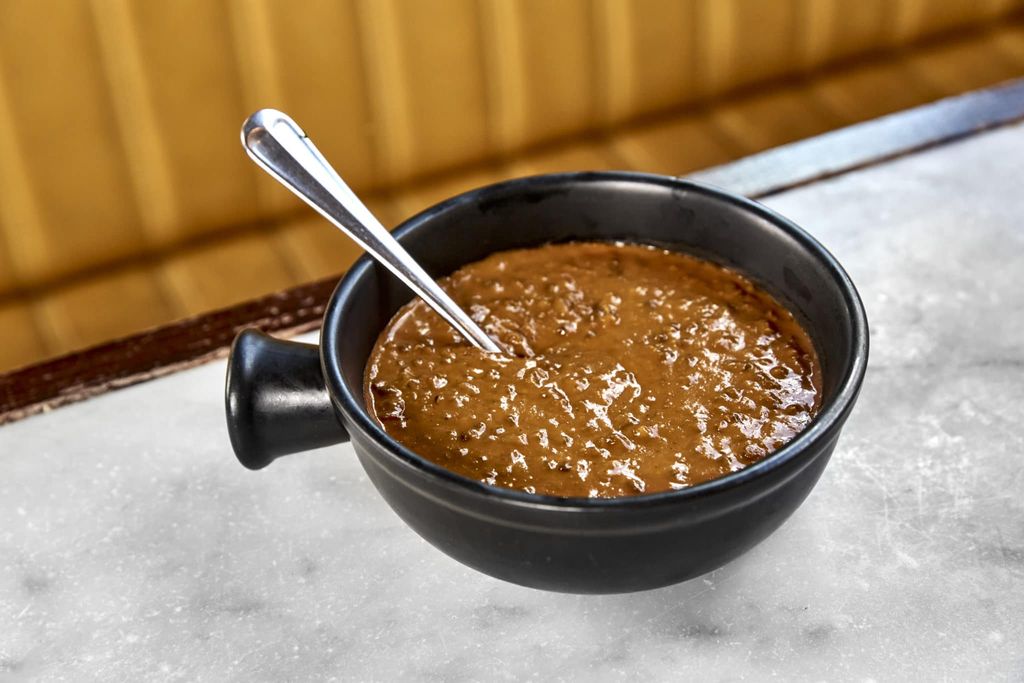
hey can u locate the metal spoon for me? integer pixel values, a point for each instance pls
(277, 144)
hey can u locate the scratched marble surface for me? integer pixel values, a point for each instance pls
(132, 547)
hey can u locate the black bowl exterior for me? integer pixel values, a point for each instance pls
(593, 549)
(275, 400)
(601, 545)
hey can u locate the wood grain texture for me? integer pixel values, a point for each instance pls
(59, 156)
(678, 146)
(107, 306)
(166, 349)
(22, 339)
(773, 118)
(874, 90)
(196, 278)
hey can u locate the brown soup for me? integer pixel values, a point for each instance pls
(629, 370)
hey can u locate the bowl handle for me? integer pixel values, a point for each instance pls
(276, 401)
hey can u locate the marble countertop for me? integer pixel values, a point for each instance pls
(133, 547)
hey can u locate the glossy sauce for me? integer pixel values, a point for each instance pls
(629, 370)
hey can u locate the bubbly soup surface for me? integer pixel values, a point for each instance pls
(629, 370)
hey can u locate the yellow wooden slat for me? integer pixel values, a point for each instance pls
(260, 77)
(575, 156)
(188, 88)
(915, 19)
(740, 42)
(315, 249)
(413, 199)
(69, 204)
(321, 83)
(1010, 41)
(104, 307)
(541, 69)
(426, 83)
(964, 65)
(833, 30)
(614, 80)
(865, 92)
(995, 8)
(680, 145)
(764, 120)
(152, 180)
(648, 50)
(22, 342)
(19, 210)
(226, 272)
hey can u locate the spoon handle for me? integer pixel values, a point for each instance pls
(277, 144)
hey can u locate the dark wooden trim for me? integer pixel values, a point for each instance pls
(157, 352)
(187, 343)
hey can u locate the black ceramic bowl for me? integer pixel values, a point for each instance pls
(284, 397)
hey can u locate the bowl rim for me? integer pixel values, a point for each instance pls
(820, 429)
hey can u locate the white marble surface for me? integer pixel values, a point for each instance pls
(132, 546)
